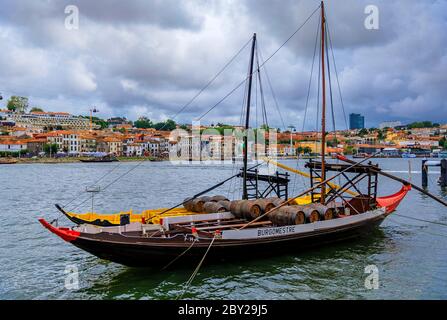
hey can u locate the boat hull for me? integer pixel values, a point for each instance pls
(124, 250)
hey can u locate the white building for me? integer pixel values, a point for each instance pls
(135, 149)
(40, 120)
(12, 145)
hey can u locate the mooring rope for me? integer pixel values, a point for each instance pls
(419, 219)
(191, 279)
(179, 256)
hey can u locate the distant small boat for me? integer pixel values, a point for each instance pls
(360, 155)
(408, 155)
(8, 161)
(100, 159)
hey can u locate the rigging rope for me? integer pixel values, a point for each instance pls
(210, 82)
(108, 185)
(318, 98)
(307, 102)
(271, 89)
(96, 182)
(180, 111)
(330, 88)
(311, 74)
(261, 91)
(271, 56)
(336, 76)
(206, 86)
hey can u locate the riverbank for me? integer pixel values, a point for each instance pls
(77, 159)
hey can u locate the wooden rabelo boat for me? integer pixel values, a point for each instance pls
(8, 161)
(236, 235)
(260, 223)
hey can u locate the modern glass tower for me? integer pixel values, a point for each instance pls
(356, 121)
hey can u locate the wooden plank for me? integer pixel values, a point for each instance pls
(234, 226)
(209, 222)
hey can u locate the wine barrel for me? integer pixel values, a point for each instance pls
(188, 204)
(298, 215)
(218, 198)
(286, 216)
(325, 212)
(235, 207)
(213, 207)
(205, 198)
(278, 201)
(226, 204)
(312, 215)
(250, 210)
(198, 205)
(266, 204)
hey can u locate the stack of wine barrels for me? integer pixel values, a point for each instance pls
(252, 209)
(292, 215)
(207, 204)
(325, 212)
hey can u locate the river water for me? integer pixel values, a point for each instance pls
(410, 255)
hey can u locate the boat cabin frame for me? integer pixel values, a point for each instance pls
(363, 202)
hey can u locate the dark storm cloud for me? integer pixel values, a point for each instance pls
(150, 57)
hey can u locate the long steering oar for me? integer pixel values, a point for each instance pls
(385, 174)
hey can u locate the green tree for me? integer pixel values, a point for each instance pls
(222, 128)
(332, 143)
(381, 135)
(18, 104)
(307, 150)
(363, 132)
(349, 149)
(299, 150)
(50, 148)
(143, 123)
(443, 142)
(422, 124)
(168, 125)
(36, 109)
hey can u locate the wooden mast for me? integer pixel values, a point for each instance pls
(323, 117)
(247, 118)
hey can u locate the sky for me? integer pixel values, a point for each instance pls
(151, 57)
